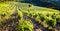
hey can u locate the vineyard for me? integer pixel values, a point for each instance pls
(18, 16)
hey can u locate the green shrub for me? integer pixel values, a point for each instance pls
(35, 15)
(54, 16)
(50, 22)
(20, 14)
(30, 15)
(38, 19)
(42, 17)
(24, 25)
(58, 18)
(48, 15)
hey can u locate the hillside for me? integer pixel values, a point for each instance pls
(18, 16)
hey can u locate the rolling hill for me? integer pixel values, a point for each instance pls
(17, 16)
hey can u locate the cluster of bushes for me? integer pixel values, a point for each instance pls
(47, 16)
(24, 25)
(5, 12)
(43, 15)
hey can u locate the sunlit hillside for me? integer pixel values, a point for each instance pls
(18, 16)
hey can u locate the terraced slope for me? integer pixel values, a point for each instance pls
(21, 15)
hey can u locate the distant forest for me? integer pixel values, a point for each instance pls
(55, 4)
